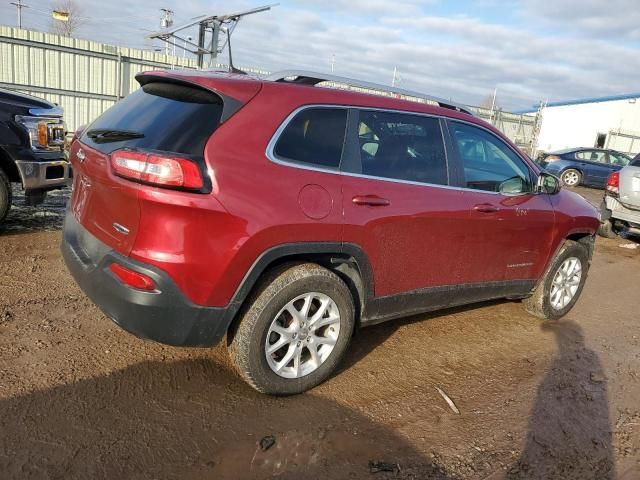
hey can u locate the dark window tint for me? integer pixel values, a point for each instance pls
(315, 136)
(489, 163)
(402, 147)
(171, 117)
(636, 161)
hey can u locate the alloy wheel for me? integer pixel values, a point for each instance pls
(302, 335)
(565, 283)
(571, 178)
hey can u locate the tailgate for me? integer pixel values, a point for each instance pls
(630, 186)
(103, 204)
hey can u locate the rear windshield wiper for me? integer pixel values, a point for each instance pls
(104, 135)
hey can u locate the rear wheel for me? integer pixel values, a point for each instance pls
(559, 290)
(295, 330)
(571, 177)
(5, 195)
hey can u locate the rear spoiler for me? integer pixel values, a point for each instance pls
(234, 91)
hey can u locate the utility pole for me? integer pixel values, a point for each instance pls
(19, 5)
(396, 77)
(493, 104)
(333, 62)
(166, 20)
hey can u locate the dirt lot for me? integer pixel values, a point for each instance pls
(79, 398)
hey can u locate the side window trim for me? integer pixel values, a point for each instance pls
(460, 166)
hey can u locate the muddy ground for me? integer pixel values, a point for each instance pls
(79, 398)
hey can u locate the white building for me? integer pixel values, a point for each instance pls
(607, 122)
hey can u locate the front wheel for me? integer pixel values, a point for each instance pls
(571, 177)
(5, 195)
(294, 331)
(560, 288)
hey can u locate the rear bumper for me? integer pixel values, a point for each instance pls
(44, 175)
(164, 315)
(620, 212)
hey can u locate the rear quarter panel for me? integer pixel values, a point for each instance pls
(559, 166)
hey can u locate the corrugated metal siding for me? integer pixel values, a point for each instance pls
(78, 80)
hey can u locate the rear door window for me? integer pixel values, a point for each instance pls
(618, 160)
(592, 156)
(402, 147)
(315, 137)
(165, 116)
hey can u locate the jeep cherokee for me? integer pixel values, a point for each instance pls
(283, 215)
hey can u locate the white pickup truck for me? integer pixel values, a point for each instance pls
(620, 209)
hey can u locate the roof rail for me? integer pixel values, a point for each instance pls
(304, 77)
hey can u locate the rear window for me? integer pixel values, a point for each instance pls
(636, 161)
(171, 117)
(315, 136)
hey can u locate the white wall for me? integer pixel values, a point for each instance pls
(572, 126)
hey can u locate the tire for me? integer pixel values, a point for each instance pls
(571, 178)
(606, 230)
(265, 312)
(540, 304)
(5, 196)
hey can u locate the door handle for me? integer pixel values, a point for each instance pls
(370, 200)
(486, 208)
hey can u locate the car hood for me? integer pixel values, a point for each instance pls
(21, 101)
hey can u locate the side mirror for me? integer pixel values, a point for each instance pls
(547, 183)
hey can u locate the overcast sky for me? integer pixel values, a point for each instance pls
(530, 50)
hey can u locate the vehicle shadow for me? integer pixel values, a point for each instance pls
(569, 435)
(47, 217)
(192, 419)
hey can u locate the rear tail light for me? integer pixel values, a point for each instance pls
(132, 278)
(613, 184)
(163, 170)
(552, 158)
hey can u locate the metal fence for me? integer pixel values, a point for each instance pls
(86, 78)
(521, 129)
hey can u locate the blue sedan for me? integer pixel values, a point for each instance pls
(584, 166)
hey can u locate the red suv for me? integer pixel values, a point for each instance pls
(285, 215)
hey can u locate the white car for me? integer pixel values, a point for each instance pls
(620, 210)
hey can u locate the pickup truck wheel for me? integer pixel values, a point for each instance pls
(571, 177)
(560, 288)
(294, 331)
(5, 195)
(606, 230)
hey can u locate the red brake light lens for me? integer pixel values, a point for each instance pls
(613, 183)
(131, 278)
(162, 170)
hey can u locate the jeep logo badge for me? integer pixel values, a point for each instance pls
(81, 156)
